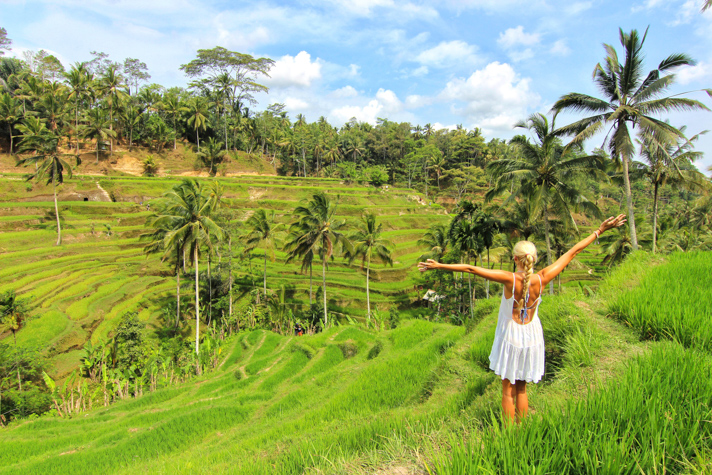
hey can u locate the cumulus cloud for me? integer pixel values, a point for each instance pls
(560, 48)
(449, 53)
(514, 37)
(344, 92)
(385, 104)
(493, 98)
(294, 71)
(688, 74)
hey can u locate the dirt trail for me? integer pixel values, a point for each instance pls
(103, 192)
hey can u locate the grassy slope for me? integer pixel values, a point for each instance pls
(406, 399)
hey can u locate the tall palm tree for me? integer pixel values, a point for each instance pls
(111, 85)
(97, 127)
(294, 251)
(10, 113)
(669, 163)
(467, 240)
(264, 232)
(212, 154)
(368, 244)
(48, 162)
(174, 107)
(198, 116)
(79, 81)
(437, 240)
(319, 231)
(488, 226)
(545, 175)
(13, 312)
(630, 97)
(187, 211)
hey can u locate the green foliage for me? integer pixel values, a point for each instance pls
(130, 341)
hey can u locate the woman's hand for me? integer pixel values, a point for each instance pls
(612, 222)
(427, 265)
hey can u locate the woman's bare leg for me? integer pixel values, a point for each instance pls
(522, 399)
(509, 393)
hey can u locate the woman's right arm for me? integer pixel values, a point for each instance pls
(549, 273)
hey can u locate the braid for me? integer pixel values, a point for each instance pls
(528, 272)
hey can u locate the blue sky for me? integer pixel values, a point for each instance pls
(479, 63)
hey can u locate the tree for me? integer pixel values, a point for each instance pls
(437, 240)
(150, 167)
(48, 162)
(97, 127)
(198, 116)
(79, 80)
(5, 42)
(264, 232)
(669, 163)
(242, 68)
(544, 175)
(212, 154)
(111, 85)
(318, 231)
(171, 103)
(10, 113)
(487, 228)
(13, 312)
(186, 211)
(630, 97)
(136, 72)
(369, 244)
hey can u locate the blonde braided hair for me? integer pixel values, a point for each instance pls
(526, 252)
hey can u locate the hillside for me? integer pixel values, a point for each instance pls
(417, 399)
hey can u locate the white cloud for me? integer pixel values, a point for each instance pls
(513, 37)
(493, 98)
(560, 48)
(363, 7)
(415, 101)
(386, 105)
(686, 13)
(421, 71)
(293, 103)
(449, 53)
(344, 92)
(578, 7)
(294, 71)
(688, 74)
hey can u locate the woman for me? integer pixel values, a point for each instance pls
(518, 350)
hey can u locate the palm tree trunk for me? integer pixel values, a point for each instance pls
(229, 264)
(629, 204)
(197, 138)
(9, 130)
(488, 266)
(174, 132)
(210, 293)
(323, 287)
(368, 294)
(56, 209)
(177, 295)
(548, 246)
(197, 305)
(265, 274)
(655, 216)
(469, 284)
(311, 275)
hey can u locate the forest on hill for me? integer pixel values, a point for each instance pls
(149, 283)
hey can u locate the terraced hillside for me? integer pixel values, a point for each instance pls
(78, 289)
(413, 400)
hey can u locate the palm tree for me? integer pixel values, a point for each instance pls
(369, 244)
(10, 113)
(467, 240)
(198, 116)
(48, 162)
(320, 232)
(186, 211)
(212, 153)
(173, 107)
(264, 232)
(520, 221)
(706, 5)
(98, 127)
(488, 227)
(111, 86)
(79, 81)
(13, 312)
(630, 98)
(306, 254)
(544, 174)
(669, 163)
(437, 240)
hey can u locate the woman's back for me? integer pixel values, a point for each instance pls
(509, 302)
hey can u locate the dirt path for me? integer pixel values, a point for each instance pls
(103, 192)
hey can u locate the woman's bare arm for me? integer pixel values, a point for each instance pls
(501, 276)
(549, 273)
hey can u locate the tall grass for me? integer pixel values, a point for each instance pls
(653, 419)
(673, 301)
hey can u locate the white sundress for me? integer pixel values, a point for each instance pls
(518, 350)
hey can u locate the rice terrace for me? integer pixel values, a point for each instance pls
(261, 249)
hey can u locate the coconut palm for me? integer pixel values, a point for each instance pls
(468, 242)
(318, 231)
(306, 255)
(437, 240)
(111, 85)
(79, 81)
(173, 107)
(187, 211)
(10, 113)
(212, 154)
(13, 312)
(198, 116)
(544, 175)
(669, 163)
(630, 97)
(97, 127)
(264, 232)
(487, 226)
(48, 162)
(368, 245)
